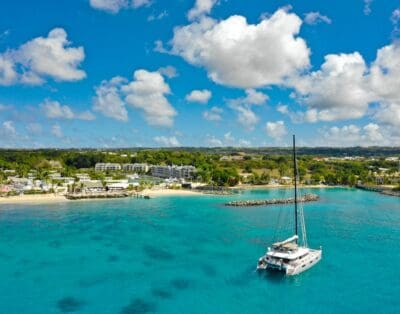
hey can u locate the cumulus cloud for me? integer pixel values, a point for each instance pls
(246, 117)
(54, 110)
(313, 18)
(108, 99)
(276, 129)
(200, 96)
(114, 6)
(230, 49)
(338, 90)
(214, 114)
(147, 92)
(201, 7)
(167, 141)
(212, 141)
(352, 135)
(57, 131)
(252, 97)
(42, 58)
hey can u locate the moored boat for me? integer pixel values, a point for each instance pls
(290, 256)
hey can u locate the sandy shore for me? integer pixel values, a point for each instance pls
(52, 198)
(33, 199)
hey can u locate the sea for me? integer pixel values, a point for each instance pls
(194, 255)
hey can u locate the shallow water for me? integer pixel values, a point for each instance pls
(193, 255)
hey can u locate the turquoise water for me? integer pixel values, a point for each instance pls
(193, 255)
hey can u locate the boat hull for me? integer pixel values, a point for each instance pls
(291, 269)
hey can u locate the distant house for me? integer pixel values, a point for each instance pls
(83, 176)
(285, 180)
(92, 186)
(117, 186)
(107, 167)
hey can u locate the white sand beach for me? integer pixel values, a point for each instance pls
(33, 199)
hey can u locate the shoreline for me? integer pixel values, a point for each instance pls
(279, 186)
(153, 193)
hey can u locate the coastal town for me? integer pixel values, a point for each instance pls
(65, 177)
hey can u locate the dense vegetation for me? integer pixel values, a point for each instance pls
(254, 166)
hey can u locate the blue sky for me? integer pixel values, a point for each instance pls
(124, 73)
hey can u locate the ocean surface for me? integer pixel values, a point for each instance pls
(194, 255)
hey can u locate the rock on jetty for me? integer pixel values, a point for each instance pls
(305, 198)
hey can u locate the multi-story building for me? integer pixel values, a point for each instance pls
(180, 172)
(183, 172)
(107, 167)
(136, 167)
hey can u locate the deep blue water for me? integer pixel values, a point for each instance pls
(193, 255)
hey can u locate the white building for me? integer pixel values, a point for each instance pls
(107, 167)
(136, 167)
(180, 172)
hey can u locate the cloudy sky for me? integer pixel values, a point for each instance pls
(124, 73)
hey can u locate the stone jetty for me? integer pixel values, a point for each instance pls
(305, 198)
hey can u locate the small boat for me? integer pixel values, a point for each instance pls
(289, 256)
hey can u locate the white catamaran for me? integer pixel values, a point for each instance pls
(290, 256)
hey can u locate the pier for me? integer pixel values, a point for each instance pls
(305, 198)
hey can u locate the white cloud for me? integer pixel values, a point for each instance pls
(114, 6)
(108, 99)
(313, 18)
(200, 96)
(352, 135)
(229, 138)
(167, 141)
(389, 114)
(201, 7)
(160, 16)
(212, 141)
(246, 117)
(367, 7)
(41, 58)
(214, 114)
(276, 129)
(337, 91)
(252, 98)
(54, 110)
(147, 92)
(140, 3)
(8, 75)
(230, 49)
(57, 131)
(168, 71)
(8, 129)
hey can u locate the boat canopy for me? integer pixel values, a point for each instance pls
(289, 240)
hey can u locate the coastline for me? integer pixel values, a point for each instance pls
(153, 193)
(33, 199)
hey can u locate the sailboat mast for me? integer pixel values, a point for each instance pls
(295, 184)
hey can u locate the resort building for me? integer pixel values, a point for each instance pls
(136, 167)
(180, 172)
(107, 167)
